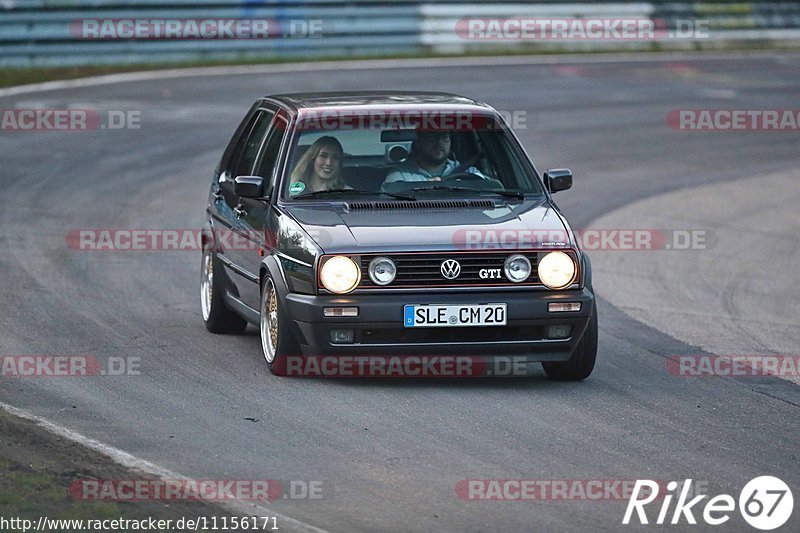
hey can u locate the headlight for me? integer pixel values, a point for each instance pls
(340, 274)
(556, 270)
(382, 271)
(517, 268)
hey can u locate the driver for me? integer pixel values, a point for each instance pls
(428, 159)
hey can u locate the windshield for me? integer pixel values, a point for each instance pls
(359, 156)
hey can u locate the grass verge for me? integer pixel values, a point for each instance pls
(37, 468)
(12, 76)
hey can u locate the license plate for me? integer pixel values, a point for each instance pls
(439, 316)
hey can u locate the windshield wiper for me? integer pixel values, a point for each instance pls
(356, 191)
(507, 194)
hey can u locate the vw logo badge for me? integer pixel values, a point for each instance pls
(450, 268)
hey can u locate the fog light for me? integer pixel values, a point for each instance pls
(382, 271)
(517, 268)
(559, 307)
(559, 331)
(342, 336)
(340, 311)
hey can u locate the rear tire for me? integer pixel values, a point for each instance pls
(581, 364)
(213, 282)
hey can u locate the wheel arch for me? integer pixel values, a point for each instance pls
(270, 265)
(587, 271)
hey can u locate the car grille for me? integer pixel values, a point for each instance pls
(424, 270)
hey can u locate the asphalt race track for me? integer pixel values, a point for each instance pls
(390, 452)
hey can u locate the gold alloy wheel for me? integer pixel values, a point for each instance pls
(269, 321)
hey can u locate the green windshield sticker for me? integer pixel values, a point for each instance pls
(297, 188)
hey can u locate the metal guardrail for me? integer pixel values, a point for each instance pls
(44, 32)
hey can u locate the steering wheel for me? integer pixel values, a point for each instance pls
(462, 176)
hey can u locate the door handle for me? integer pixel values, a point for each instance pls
(217, 195)
(240, 212)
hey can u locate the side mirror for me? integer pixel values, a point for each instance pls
(248, 186)
(557, 179)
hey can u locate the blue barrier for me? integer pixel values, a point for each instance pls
(53, 32)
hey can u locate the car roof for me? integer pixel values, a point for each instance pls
(358, 100)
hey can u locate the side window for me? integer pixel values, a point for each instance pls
(248, 150)
(269, 157)
(233, 148)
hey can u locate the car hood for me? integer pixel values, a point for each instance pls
(337, 229)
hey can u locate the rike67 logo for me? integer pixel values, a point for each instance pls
(765, 503)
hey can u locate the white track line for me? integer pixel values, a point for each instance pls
(377, 64)
(127, 460)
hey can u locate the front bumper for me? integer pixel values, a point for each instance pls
(379, 330)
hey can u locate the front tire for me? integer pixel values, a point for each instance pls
(216, 315)
(276, 340)
(581, 364)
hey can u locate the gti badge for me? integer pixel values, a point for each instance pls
(450, 268)
(489, 273)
